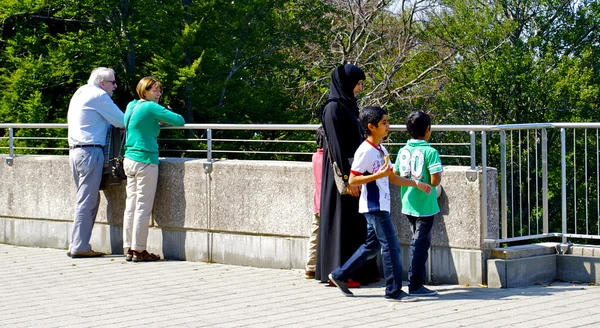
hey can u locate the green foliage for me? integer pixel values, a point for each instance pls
(465, 61)
(533, 64)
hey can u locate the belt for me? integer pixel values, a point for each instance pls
(84, 146)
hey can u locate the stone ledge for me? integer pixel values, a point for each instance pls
(521, 272)
(585, 250)
(578, 268)
(524, 251)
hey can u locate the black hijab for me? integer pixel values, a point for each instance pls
(343, 80)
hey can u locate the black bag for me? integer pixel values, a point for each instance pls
(115, 163)
(112, 150)
(116, 168)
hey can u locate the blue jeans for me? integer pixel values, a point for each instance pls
(419, 246)
(380, 235)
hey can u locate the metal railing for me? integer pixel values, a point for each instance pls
(541, 195)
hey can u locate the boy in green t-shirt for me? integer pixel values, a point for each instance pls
(419, 161)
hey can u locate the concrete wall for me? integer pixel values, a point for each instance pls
(254, 213)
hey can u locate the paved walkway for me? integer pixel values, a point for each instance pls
(45, 288)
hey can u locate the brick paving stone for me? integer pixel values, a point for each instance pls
(44, 288)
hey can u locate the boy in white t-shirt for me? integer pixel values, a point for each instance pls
(371, 168)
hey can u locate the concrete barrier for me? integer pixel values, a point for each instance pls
(254, 213)
(525, 265)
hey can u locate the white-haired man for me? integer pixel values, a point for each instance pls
(91, 112)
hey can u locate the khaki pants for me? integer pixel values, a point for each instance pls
(311, 258)
(142, 179)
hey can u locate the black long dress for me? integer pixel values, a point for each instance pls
(342, 229)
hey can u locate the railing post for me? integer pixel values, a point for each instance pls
(11, 147)
(484, 196)
(472, 172)
(473, 150)
(208, 168)
(545, 181)
(563, 178)
(503, 193)
(209, 145)
(209, 160)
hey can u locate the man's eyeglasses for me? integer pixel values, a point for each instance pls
(113, 82)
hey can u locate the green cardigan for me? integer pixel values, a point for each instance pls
(143, 129)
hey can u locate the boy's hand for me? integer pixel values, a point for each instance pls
(353, 190)
(384, 171)
(423, 187)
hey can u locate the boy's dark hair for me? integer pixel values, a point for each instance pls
(320, 137)
(370, 114)
(417, 123)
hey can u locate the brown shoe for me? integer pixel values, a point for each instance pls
(309, 275)
(90, 253)
(144, 256)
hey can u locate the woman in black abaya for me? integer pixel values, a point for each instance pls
(342, 229)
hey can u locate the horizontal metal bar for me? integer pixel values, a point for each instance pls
(36, 138)
(432, 143)
(34, 125)
(579, 125)
(521, 238)
(180, 139)
(455, 156)
(243, 140)
(573, 235)
(265, 127)
(37, 148)
(267, 141)
(217, 151)
(309, 127)
(258, 152)
(185, 151)
(236, 152)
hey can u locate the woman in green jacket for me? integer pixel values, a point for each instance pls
(142, 123)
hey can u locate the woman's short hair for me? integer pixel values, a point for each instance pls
(100, 74)
(146, 84)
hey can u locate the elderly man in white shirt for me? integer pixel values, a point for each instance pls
(91, 112)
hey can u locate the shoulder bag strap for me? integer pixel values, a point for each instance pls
(127, 124)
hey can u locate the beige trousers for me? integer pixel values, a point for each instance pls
(311, 258)
(141, 189)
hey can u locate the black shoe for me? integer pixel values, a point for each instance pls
(341, 285)
(401, 297)
(423, 291)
